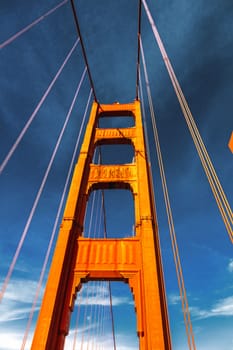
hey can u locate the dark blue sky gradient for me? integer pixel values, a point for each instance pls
(198, 38)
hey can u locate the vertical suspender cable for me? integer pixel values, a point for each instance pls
(111, 315)
(109, 285)
(95, 317)
(103, 314)
(218, 192)
(77, 319)
(91, 217)
(95, 215)
(100, 314)
(34, 113)
(91, 312)
(98, 217)
(183, 295)
(94, 227)
(85, 317)
(36, 201)
(25, 29)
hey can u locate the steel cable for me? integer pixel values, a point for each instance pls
(34, 113)
(77, 319)
(36, 201)
(218, 192)
(39, 285)
(138, 49)
(83, 47)
(25, 29)
(212, 177)
(183, 295)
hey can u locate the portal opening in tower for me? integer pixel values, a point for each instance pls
(113, 121)
(110, 214)
(115, 154)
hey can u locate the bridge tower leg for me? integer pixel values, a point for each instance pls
(135, 260)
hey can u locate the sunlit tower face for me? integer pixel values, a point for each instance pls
(132, 258)
(43, 118)
(230, 144)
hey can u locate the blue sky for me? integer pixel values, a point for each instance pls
(198, 38)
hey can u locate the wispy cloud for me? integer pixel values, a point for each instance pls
(18, 300)
(230, 265)
(105, 341)
(13, 341)
(173, 299)
(10, 340)
(101, 300)
(21, 290)
(99, 295)
(223, 307)
(13, 311)
(20, 294)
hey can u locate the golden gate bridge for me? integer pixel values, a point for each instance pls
(95, 220)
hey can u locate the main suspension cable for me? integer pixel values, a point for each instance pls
(183, 295)
(25, 29)
(36, 201)
(212, 177)
(83, 47)
(138, 51)
(218, 192)
(34, 113)
(144, 118)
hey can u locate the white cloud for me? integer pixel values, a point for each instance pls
(230, 265)
(13, 312)
(21, 290)
(210, 339)
(173, 299)
(105, 343)
(101, 300)
(12, 339)
(99, 295)
(17, 300)
(223, 307)
(123, 342)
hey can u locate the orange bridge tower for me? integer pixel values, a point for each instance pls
(135, 260)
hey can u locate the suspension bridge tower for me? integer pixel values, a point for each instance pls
(135, 260)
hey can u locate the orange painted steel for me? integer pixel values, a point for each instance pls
(230, 144)
(135, 260)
